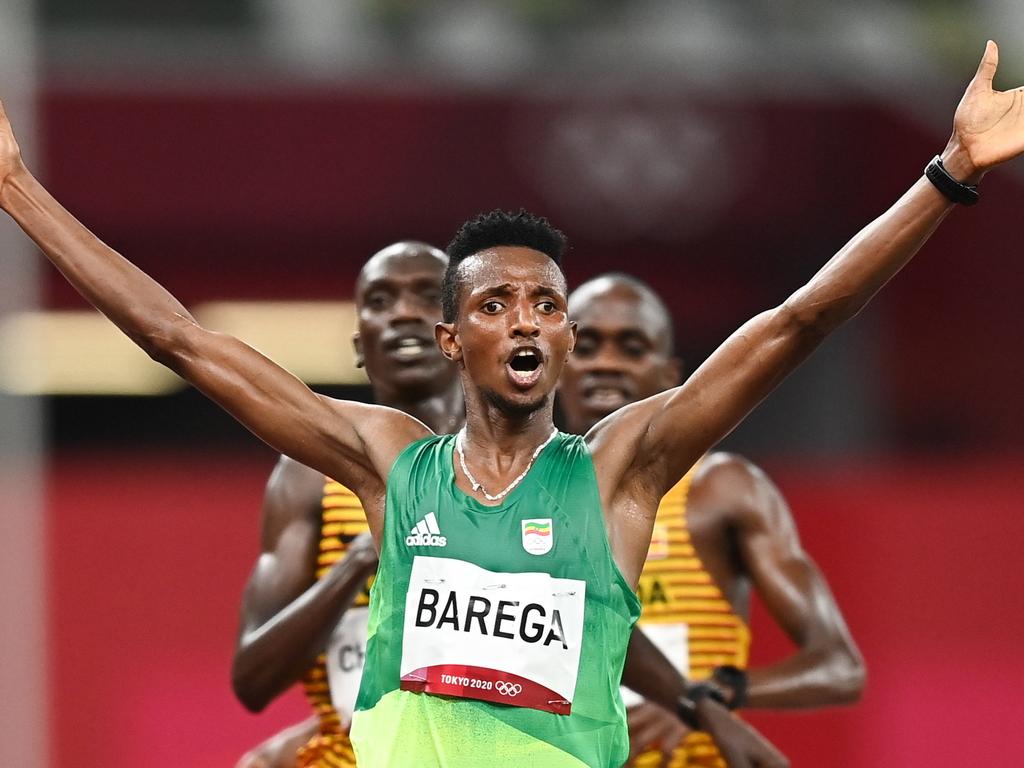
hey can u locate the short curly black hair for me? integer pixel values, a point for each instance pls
(489, 230)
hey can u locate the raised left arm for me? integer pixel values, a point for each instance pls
(652, 443)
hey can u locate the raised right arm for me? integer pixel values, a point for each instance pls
(643, 449)
(318, 431)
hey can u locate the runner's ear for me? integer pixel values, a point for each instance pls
(357, 345)
(448, 341)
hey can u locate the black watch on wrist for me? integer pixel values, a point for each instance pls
(953, 190)
(687, 713)
(706, 690)
(686, 706)
(735, 679)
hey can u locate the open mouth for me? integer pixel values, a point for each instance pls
(524, 366)
(407, 347)
(607, 395)
(410, 347)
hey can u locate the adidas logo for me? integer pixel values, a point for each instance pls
(426, 533)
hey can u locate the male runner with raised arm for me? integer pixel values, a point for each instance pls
(315, 561)
(528, 601)
(721, 530)
(310, 525)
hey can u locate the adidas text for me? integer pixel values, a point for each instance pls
(426, 540)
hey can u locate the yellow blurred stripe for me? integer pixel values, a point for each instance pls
(64, 352)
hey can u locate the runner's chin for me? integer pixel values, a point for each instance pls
(517, 403)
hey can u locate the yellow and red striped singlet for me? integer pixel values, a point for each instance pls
(681, 602)
(342, 520)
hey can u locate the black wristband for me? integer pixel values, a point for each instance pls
(936, 173)
(735, 679)
(687, 713)
(706, 690)
(686, 707)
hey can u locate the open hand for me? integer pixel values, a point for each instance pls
(740, 744)
(10, 153)
(988, 125)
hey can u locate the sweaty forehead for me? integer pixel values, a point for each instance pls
(513, 265)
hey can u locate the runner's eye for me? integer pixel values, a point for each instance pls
(547, 307)
(585, 347)
(377, 300)
(635, 349)
(493, 307)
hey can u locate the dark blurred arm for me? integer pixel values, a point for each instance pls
(654, 723)
(649, 672)
(279, 751)
(826, 668)
(288, 616)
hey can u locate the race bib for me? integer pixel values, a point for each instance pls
(510, 638)
(673, 641)
(346, 653)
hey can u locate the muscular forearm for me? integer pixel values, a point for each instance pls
(856, 273)
(687, 421)
(275, 405)
(807, 679)
(136, 303)
(738, 742)
(276, 654)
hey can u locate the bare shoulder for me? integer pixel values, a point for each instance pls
(743, 491)
(362, 442)
(615, 442)
(295, 484)
(722, 470)
(292, 498)
(729, 480)
(373, 414)
(385, 432)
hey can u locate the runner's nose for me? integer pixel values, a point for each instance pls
(605, 359)
(524, 322)
(406, 309)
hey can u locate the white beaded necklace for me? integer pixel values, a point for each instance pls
(473, 481)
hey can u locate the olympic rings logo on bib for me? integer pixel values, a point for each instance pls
(508, 689)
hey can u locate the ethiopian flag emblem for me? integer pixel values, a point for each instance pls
(538, 536)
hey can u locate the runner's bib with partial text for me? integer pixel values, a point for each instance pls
(510, 638)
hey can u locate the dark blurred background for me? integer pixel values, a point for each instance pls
(251, 154)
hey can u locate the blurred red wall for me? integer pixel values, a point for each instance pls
(282, 193)
(149, 553)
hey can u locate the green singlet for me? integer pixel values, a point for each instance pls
(497, 634)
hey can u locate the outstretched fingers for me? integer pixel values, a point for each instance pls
(987, 68)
